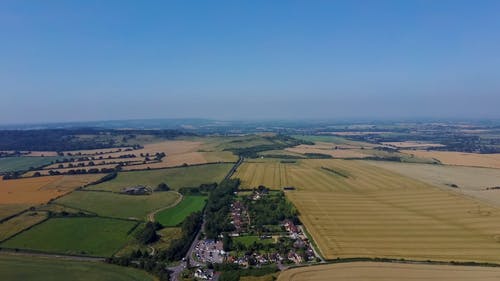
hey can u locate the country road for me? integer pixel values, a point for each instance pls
(176, 270)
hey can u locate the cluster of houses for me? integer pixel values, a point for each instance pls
(239, 217)
(300, 242)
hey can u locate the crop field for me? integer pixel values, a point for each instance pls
(176, 215)
(10, 164)
(39, 190)
(412, 144)
(175, 178)
(321, 148)
(353, 209)
(372, 271)
(117, 205)
(472, 181)
(7, 210)
(460, 158)
(17, 268)
(19, 223)
(85, 236)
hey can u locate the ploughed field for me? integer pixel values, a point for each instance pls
(353, 209)
(372, 271)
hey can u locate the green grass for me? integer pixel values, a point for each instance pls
(117, 205)
(85, 236)
(11, 164)
(16, 268)
(249, 240)
(175, 177)
(175, 215)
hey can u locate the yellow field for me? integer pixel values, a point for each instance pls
(472, 181)
(40, 190)
(353, 209)
(460, 158)
(372, 271)
(327, 150)
(412, 144)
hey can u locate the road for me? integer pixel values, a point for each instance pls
(176, 270)
(151, 216)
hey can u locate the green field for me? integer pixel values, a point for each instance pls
(84, 236)
(249, 240)
(117, 205)
(175, 177)
(10, 164)
(175, 215)
(16, 268)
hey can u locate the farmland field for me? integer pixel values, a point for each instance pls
(17, 268)
(353, 209)
(174, 177)
(472, 181)
(460, 158)
(117, 205)
(19, 223)
(10, 164)
(372, 271)
(167, 235)
(86, 236)
(175, 215)
(20, 194)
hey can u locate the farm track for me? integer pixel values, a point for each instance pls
(151, 216)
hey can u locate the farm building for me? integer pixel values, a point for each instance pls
(137, 190)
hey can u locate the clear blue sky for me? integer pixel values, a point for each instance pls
(94, 60)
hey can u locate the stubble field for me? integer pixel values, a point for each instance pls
(460, 158)
(372, 271)
(353, 209)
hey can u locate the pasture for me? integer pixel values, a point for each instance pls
(117, 205)
(22, 163)
(175, 178)
(353, 209)
(459, 158)
(82, 236)
(18, 268)
(373, 271)
(176, 215)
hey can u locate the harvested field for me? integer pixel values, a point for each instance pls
(354, 209)
(472, 181)
(119, 205)
(176, 178)
(373, 271)
(40, 190)
(85, 236)
(7, 210)
(19, 223)
(460, 158)
(18, 268)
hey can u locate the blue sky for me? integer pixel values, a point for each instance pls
(95, 60)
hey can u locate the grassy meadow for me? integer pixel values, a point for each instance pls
(22, 163)
(175, 178)
(17, 268)
(175, 215)
(83, 236)
(109, 204)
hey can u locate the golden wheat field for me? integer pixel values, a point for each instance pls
(372, 271)
(459, 158)
(473, 181)
(353, 209)
(40, 190)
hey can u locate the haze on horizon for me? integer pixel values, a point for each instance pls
(100, 60)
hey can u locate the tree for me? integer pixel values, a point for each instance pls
(162, 187)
